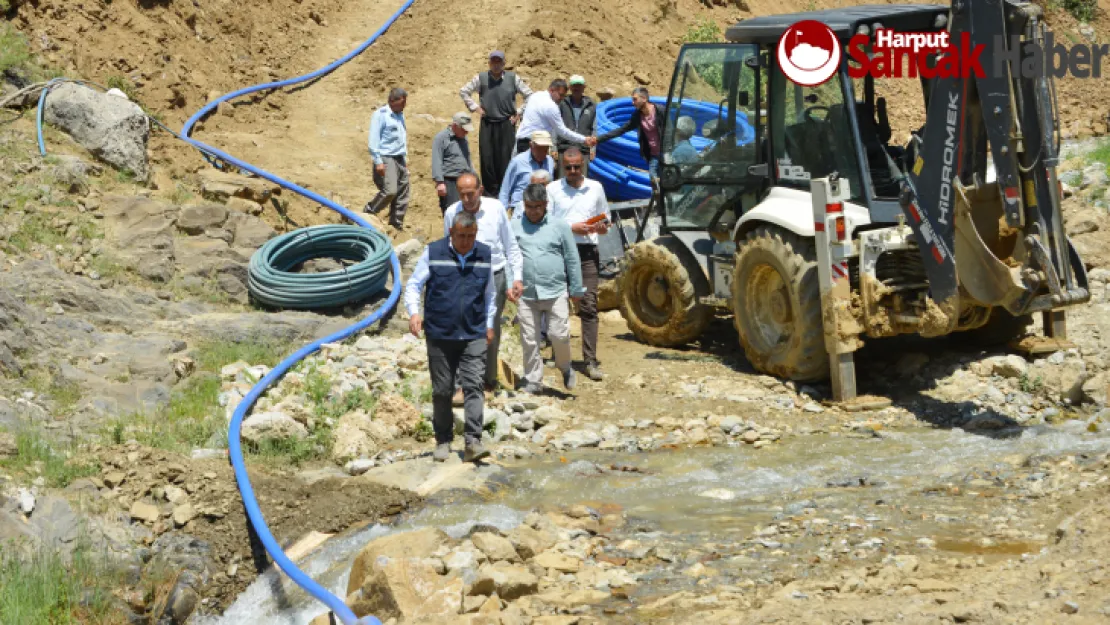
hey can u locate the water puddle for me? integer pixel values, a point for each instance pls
(724, 507)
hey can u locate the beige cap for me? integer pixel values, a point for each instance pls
(542, 137)
(463, 119)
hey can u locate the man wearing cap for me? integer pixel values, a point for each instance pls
(451, 159)
(519, 173)
(579, 114)
(497, 90)
(541, 112)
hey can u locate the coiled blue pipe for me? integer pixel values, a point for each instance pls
(621, 169)
(235, 452)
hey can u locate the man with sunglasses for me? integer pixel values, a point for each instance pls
(577, 200)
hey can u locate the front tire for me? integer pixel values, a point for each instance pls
(776, 302)
(659, 291)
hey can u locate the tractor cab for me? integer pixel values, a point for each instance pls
(737, 127)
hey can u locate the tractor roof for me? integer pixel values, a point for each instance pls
(903, 17)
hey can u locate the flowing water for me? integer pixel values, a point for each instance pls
(687, 498)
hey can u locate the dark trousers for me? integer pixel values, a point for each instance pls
(495, 142)
(587, 308)
(452, 196)
(464, 361)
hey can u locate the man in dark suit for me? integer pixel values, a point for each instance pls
(647, 119)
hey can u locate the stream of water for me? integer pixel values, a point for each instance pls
(689, 496)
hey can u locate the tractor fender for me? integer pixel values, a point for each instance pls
(792, 210)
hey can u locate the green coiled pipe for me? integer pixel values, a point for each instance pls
(273, 283)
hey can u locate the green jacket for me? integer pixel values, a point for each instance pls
(551, 264)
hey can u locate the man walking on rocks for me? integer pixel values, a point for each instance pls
(451, 159)
(577, 200)
(454, 275)
(497, 90)
(505, 261)
(389, 148)
(552, 276)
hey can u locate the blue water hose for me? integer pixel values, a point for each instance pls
(250, 503)
(621, 169)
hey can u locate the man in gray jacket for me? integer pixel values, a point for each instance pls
(580, 115)
(451, 159)
(552, 277)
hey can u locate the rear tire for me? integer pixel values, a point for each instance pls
(776, 303)
(659, 291)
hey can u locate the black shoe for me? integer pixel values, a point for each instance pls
(370, 210)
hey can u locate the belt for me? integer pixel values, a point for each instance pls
(495, 121)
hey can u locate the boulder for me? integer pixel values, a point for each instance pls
(271, 425)
(393, 410)
(1095, 390)
(608, 296)
(495, 547)
(195, 220)
(417, 544)
(8, 446)
(356, 435)
(507, 580)
(141, 232)
(529, 542)
(558, 561)
(113, 129)
(408, 253)
(145, 512)
(221, 186)
(406, 589)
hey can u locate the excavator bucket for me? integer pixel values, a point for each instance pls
(985, 247)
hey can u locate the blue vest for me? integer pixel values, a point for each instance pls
(455, 297)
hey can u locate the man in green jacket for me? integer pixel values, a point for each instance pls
(552, 277)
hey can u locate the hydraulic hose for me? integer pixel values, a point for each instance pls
(621, 169)
(235, 452)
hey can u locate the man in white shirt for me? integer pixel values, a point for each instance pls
(493, 230)
(541, 112)
(576, 199)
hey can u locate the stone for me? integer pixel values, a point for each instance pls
(1070, 607)
(930, 585)
(730, 423)
(393, 410)
(272, 425)
(509, 581)
(183, 514)
(749, 437)
(558, 561)
(73, 173)
(174, 494)
(406, 589)
(250, 231)
(408, 253)
(195, 220)
(545, 415)
(578, 438)
(608, 295)
(244, 205)
(422, 543)
(356, 435)
(1066, 379)
(221, 186)
(358, 467)
(8, 447)
(141, 232)
(113, 479)
(26, 501)
(495, 547)
(529, 542)
(1008, 366)
(1096, 390)
(113, 129)
(145, 512)
(181, 603)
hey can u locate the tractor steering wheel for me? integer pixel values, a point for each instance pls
(809, 110)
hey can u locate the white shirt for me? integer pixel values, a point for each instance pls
(541, 113)
(414, 288)
(577, 205)
(495, 231)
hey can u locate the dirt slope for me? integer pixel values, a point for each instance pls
(178, 52)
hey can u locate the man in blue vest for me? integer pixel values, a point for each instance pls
(456, 279)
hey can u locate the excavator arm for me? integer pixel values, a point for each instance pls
(998, 243)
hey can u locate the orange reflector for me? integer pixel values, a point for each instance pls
(841, 230)
(834, 208)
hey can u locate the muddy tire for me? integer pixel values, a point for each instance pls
(776, 302)
(659, 291)
(1000, 329)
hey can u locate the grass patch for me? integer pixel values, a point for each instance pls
(62, 393)
(705, 30)
(1082, 10)
(124, 84)
(35, 229)
(49, 588)
(424, 430)
(15, 51)
(214, 355)
(35, 455)
(1100, 154)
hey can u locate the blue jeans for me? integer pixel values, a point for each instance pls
(653, 167)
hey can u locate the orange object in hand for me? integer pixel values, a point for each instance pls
(596, 220)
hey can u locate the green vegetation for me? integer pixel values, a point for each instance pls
(1101, 154)
(1082, 10)
(52, 589)
(214, 355)
(424, 430)
(16, 55)
(1030, 384)
(62, 393)
(34, 455)
(705, 30)
(125, 85)
(40, 228)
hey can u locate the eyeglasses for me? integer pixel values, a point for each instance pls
(572, 167)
